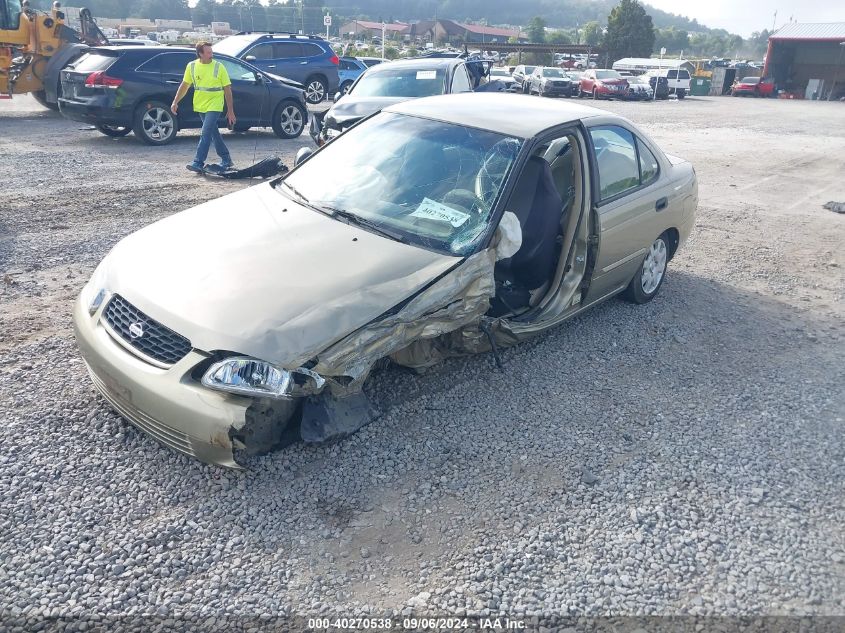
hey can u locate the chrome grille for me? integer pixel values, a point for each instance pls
(144, 334)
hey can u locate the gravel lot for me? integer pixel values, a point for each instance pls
(683, 457)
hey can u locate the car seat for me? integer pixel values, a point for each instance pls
(537, 205)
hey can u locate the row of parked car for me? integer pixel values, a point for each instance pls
(600, 83)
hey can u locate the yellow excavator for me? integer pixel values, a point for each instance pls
(35, 46)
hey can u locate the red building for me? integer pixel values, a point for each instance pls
(808, 59)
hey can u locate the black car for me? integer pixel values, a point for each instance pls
(130, 89)
(392, 82)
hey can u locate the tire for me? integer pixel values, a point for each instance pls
(41, 97)
(154, 123)
(289, 119)
(595, 95)
(650, 275)
(681, 92)
(115, 131)
(240, 129)
(316, 89)
(344, 87)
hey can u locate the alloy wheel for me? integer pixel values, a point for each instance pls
(290, 120)
(158, 124)
(315, 91)
(654, 266)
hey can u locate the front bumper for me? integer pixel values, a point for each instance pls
(166, 404)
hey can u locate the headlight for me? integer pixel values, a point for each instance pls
(248, 377)
(94, 292)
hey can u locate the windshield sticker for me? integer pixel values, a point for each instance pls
(431, 210)
(426, 74)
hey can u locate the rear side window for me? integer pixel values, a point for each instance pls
(345, 65)
(648, 164)
(460, 82)
(311, 50)
(684, 74)
(91, 62)
(672, 74)
(285, 50)
(175, 63)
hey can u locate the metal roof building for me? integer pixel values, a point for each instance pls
(807, 59)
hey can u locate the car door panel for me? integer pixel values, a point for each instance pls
(249, 93)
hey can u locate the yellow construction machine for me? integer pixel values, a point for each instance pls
(35, 46)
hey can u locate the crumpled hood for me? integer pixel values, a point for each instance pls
(241, 274)
(350, 108)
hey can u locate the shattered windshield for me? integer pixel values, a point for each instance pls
(401, 82)
(426, 182)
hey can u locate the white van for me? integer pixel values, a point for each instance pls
(678, 79)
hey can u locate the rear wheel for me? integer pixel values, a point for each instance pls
(154, 124)
(345, 86)
(289, 119)
(315, 90)
(681, 92)
(115, 131)
(649, 277)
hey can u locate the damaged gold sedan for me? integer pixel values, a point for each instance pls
(438, 227)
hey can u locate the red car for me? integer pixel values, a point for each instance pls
(754, 87)
(603, 84)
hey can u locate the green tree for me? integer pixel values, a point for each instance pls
(536, 30)
(203, 12)
(558, 37)
(630, 32)
(591, 33)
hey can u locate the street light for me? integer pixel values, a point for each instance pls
(836, 72)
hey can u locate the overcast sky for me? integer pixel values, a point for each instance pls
(745, 16)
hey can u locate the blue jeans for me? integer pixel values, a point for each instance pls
(211, 133)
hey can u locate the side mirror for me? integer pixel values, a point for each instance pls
(250, 58)
(302, 155)
(337, 96)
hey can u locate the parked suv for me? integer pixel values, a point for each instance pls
(520, 77)
(306, 59)
(547, 81)
(128, 88)
(677, 80)
(603, 83)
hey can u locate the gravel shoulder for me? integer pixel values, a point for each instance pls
(682, 457)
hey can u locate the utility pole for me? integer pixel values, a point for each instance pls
(383, 29)
(774, 19)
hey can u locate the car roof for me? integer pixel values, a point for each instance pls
(417, 62)
(495, 111)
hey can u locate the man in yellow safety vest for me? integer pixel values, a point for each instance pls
(211, 86)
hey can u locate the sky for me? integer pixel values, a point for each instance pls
(745, 16)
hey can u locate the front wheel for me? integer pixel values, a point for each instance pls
(315, 90)
(115, 131)
(289, 120)
(154, 124)
(595, 94)
(648, 279)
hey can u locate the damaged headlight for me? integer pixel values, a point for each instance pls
(248, 377)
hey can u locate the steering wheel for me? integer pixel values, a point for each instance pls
(496, 162)
(466, 200)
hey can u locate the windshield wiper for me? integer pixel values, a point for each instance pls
(295, 192)
(365, 223)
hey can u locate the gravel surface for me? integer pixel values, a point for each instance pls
(682, 457)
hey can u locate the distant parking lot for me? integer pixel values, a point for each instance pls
(681, 457)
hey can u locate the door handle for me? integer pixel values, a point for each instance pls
(662, 204)
(272, 66)
(172, 81)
